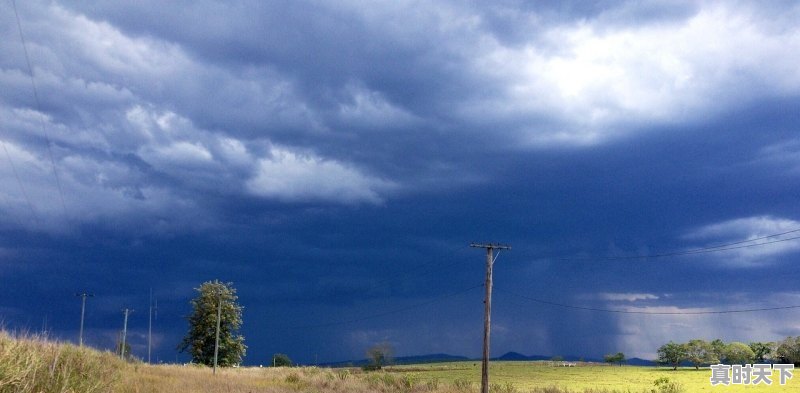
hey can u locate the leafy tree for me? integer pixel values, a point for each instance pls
(380, 355)
(672, 353)
(281, 360)
(788, 350)
(719, 349)
(200, 338)
(700, 352)
(739, 353)
(762, 350)
(618, 357)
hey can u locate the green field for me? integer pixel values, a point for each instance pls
(523, 375)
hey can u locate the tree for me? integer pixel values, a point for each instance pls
(201, 337)
(739, 353)
(718, 349)
(380, 355)
(618, 357)
(672, 354)
(281, 360)
(762, 350)
(700, 352)
(788, 350)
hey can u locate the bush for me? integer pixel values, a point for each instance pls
(293, 378)
(281, 360)
(343, 374)
(371, 367)
(507, 387)
(666, 385)
(462, 385)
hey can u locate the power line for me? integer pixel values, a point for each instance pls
(39, 107)
(385, 313)
(703, 250)
(606, 310)
(19, 180)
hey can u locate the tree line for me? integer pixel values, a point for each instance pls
(700, 352)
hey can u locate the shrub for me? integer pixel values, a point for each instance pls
(666, 385)
(293, 378)
(343, 374)
(507, 387)
(462, 385)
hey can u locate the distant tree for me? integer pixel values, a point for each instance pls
(380, 355)
(788, 350)
(762, 350)
(739, 353)
(719, 349)
(700, 352)
(557, 358)
(618, 357)
(199, 340)
(281, 360)
(672, 354)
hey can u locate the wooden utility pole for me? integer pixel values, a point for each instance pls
(150, 325)
(124, 333)
(219, 318)
(487, 316)
(83, 311)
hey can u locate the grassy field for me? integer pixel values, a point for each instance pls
(35, 365)
(526, 375)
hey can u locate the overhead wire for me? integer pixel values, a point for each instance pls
(39, 108)
(19, 180)
(702, 250)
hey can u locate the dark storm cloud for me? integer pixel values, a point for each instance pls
(333, 160)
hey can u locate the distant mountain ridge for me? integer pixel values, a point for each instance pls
(508, 357)
(417, 359)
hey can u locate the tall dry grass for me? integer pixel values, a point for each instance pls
(32, 364)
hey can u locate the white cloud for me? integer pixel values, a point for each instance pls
(628, 297)
(741, 231)
(368, 108)
(293, 176)
(598, 81)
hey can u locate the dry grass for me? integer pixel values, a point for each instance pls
(32, 364)
(171, 379)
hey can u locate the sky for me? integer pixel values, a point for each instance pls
(334, 161)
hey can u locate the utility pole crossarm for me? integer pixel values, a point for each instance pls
(495, 246)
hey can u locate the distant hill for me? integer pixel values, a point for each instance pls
(418, 359)
(516, 356)
(640, 362)
(508, 357)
